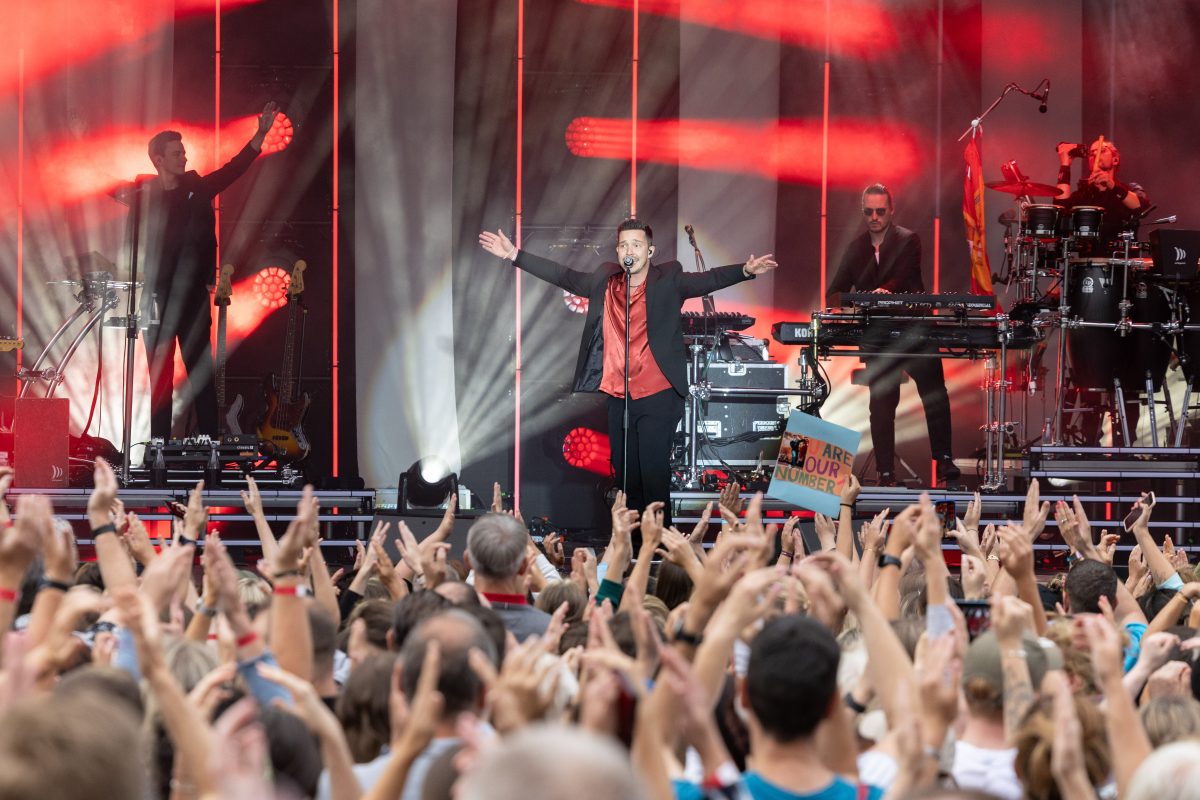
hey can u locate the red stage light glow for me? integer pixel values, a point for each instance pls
(271, 285)
(50, 42)
(859, 29)
(587, 449)
(575, 303)
(790, 150)
(75, 169)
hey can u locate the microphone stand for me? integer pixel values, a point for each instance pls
(1012, 87)
(625, 430)
(131, 330)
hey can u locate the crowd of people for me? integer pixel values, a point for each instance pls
(658, 668)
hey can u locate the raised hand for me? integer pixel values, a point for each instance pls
(552, 545)
(267, 118)
(1036, 512)
(496, 243)
(104, 492)
(251, 499)
(19, 544)
(731, 498)
(196, 516)
(759, 265)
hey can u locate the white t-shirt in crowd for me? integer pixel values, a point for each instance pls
(987, 770)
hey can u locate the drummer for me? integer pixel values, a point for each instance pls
(1122, 202)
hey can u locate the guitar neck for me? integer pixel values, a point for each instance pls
(286, 374)
(221, 356)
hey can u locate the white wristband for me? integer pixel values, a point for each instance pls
(513, 255)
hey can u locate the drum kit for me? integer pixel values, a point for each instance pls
(1121, 319)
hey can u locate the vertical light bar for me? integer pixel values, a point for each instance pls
(20, 196)
(217, 123)
(825, 159)
(937, 159)
(633, 119)
(517, 234)
(334, 372)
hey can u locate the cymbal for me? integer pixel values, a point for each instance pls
(1024, 188)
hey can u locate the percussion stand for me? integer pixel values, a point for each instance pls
(1064, 322)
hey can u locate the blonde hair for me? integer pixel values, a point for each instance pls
(1168, 719)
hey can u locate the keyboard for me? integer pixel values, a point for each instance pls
(868, 334)
(696, 323)
(904, 300)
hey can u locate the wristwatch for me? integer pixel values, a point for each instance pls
(889, 560)
(681, 635)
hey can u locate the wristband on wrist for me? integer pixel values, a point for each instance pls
(205, 609)
(8, 523)
(854, 705)
(287, 573)
(848, 505)
(292, 591)
(49, 583)
(1121, 191)
(247, 639)
(786, 554)
(512, 256)
(107, 527)
(8, 595)
(889, 560)
(1064, 174)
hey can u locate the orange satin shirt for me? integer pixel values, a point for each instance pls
(645, 378)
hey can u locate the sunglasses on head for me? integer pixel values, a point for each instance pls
(872, 212)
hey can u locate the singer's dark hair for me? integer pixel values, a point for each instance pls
(879, 188)
(636, 225)
(158, 145)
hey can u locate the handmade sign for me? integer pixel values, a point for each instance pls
(816, 458)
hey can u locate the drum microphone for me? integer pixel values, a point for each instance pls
(1044, 98)
(1166, 220)
(691, 232)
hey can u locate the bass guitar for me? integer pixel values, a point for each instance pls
(281, 430)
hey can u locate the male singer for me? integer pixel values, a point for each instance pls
(658, 360)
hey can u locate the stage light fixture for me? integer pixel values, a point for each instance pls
(280, 134)
(575, 303)
(584, 448)
(271, 286)
(428, 483)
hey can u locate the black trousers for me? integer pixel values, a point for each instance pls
(883, 382)
(652, 424)
(187, 319)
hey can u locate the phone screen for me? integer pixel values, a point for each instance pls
(1136, 511)
(978, 614)
(947, 510)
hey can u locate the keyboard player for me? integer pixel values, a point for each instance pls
(887, 258)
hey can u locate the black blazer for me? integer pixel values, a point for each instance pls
(667, 286)
(898, 270)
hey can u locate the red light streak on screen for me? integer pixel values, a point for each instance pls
(859, 29)
(77, 169)
(51, 43)
(790, 150)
